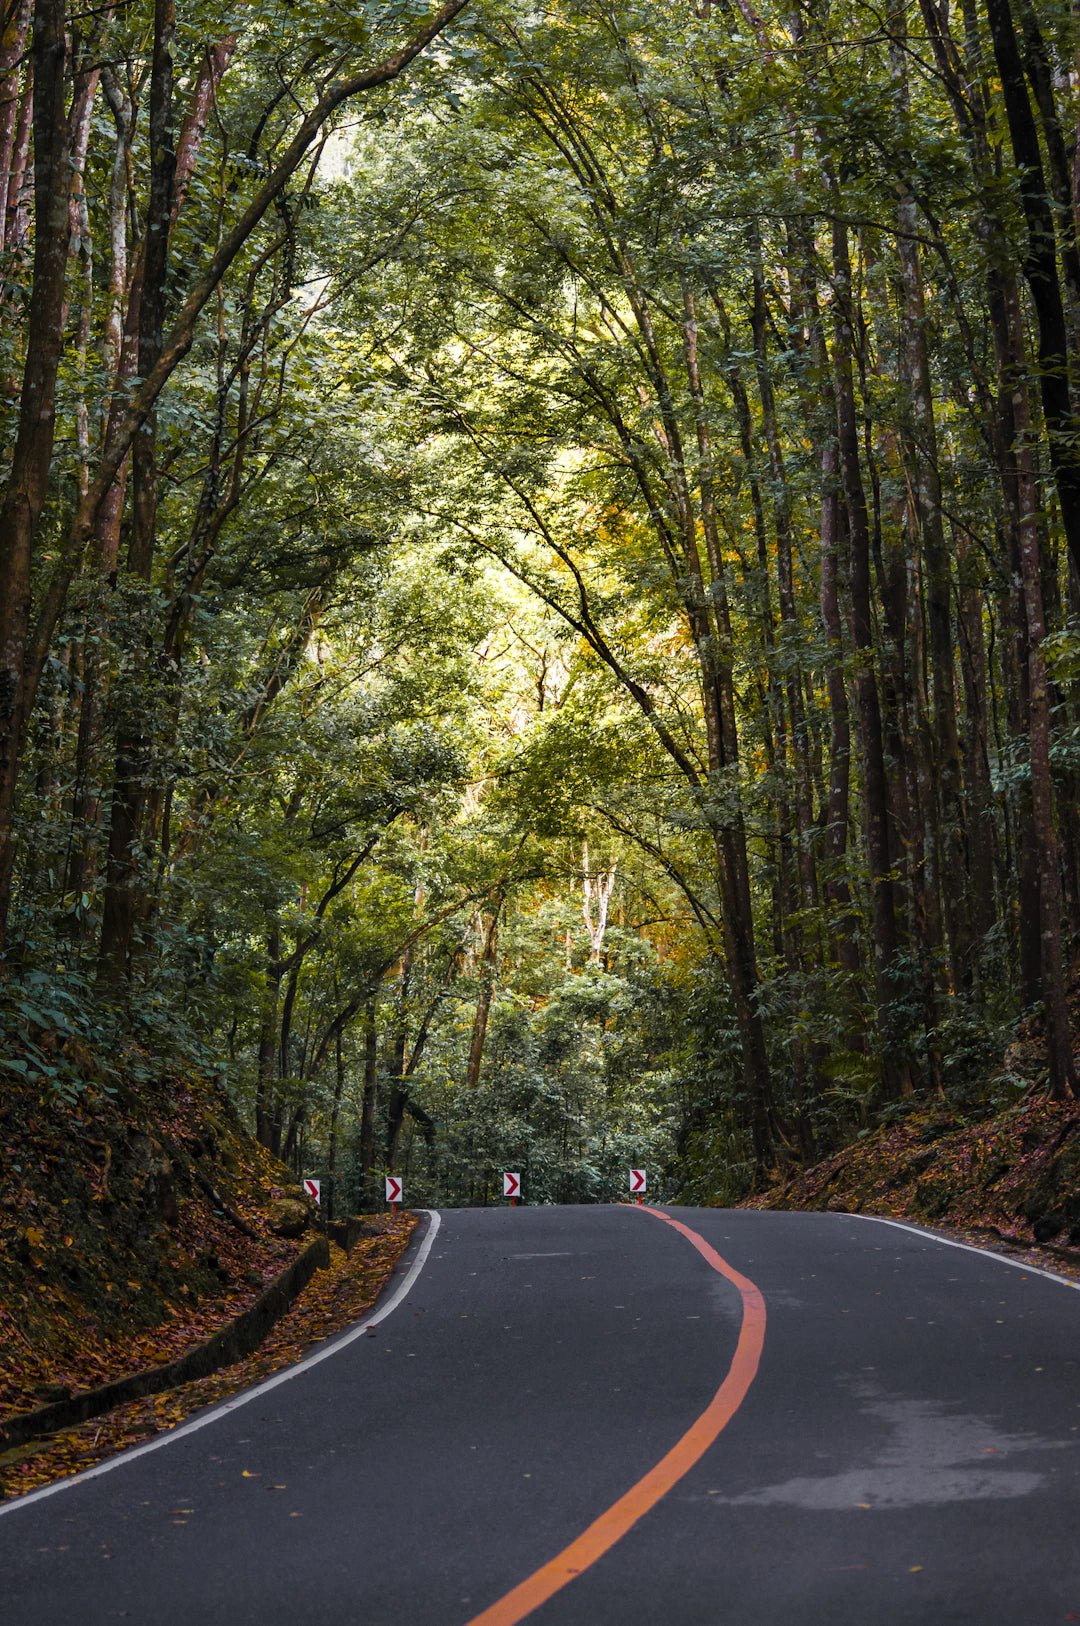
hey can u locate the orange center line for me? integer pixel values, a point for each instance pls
(622, 1515)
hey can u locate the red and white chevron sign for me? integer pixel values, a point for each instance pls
(511, 1185)
(313, 1187)
(637, 1181)
(394, 1183)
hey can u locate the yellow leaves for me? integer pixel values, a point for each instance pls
(244, 1474)
(34, 1235)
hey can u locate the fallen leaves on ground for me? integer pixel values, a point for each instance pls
(130, 1230)
(332, 1300)
(1013, 1179)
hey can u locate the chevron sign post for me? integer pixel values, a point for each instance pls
(312, 1188)
(394, 1184)
(512, 1188)
(637, 1184)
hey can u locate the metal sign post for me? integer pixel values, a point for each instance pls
(512, 1188)
(637, 1184)
(394, 1184)
(312, 1189)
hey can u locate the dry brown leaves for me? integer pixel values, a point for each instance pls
(113, 1255)
(331, 1302)
(985, 1182)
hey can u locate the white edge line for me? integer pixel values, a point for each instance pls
(968, 1247)
(227, 1406)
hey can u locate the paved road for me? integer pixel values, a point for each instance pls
(907, 1452)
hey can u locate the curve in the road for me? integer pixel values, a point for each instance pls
(414, 1259)
(622, 1515)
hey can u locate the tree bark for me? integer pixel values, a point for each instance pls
(28, 481)
(488, 965)
(267, 1110)
(123, 880)
(1063, 1075)
(894, 1062)
(12, 45)
(332, 1136)
(1041, 273)
(371, 1086)
(927, 508)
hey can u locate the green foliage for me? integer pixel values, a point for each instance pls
(488, 595)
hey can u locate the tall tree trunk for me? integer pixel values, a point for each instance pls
(399, 1091)
(709, 615)
(980, 796)
(371, 1087)
(927, 507)
(895, 1071)
(1041, 273)
(785, 581)
(332, 1137)
(12, 45)
(1063, 1075)
(132, 778)
(1002, 301)
(488, 965)
(838, 803)
(28, 481)
(15, 212)
(267, 1108)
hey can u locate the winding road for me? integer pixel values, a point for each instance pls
(613, 1417)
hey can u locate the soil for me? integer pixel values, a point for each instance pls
(132, 1225)
(332, 1301)
(1013, 1177)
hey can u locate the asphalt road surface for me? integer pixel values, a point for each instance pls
(856, 1425)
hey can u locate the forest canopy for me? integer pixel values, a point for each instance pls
(540, 573)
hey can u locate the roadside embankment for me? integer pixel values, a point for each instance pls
(1014, 1176)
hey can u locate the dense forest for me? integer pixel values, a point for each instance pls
(540, 574)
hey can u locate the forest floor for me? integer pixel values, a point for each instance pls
(1007, 1178)
(1012, 1178)
(133, 1225)
(331, 1301)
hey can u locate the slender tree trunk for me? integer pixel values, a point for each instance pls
(1063, 1075)
(488, 965)
(926, 505)
(709, 615)
(1002, 301)
(838, 803)
(980, 796)
(87, 798)
(16, 217)
(12, 46)
(371, 1086)
(395, 1107)
(785, 581)
(267, 1109)
(1041, 273)
(131, 784)
(894, 1061)
(28, 481)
